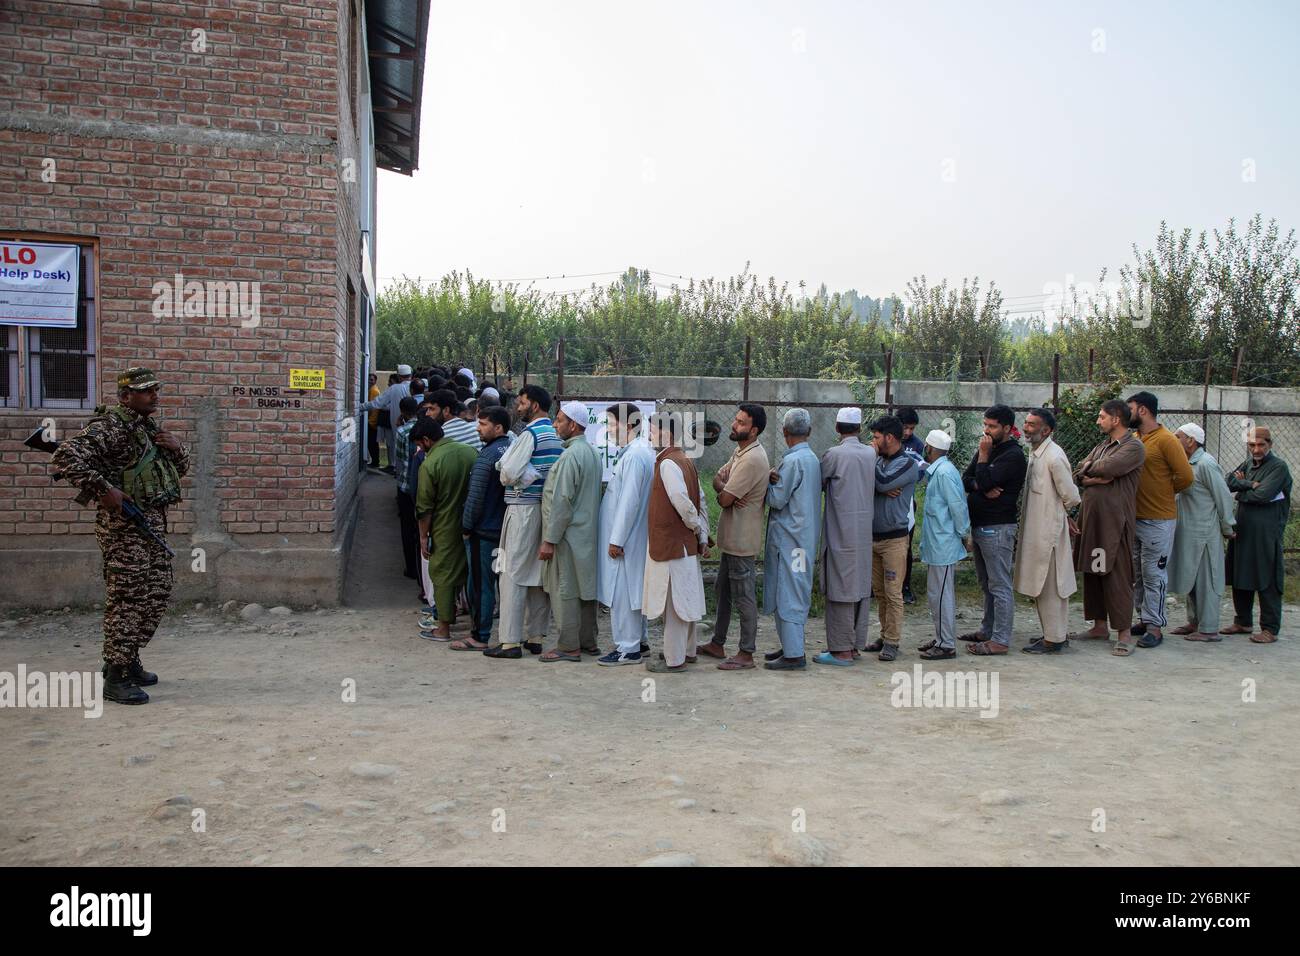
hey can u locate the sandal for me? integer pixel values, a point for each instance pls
(551, 657)
(1263, 637)
(937, 653)
(987, 649)
(927, 645)
(972, 636)
(1184, 630)
(1087, 636)
(1123, 648)
(1194, 636)
(731, 664)
(1235, 628)
(468, 644)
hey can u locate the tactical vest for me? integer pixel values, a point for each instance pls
(151, 481)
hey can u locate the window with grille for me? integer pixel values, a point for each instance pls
(53, 368)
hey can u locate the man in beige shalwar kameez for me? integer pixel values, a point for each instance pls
(1044, 561)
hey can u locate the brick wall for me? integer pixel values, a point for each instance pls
(222, 166)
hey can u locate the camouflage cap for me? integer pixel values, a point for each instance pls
(138, 377)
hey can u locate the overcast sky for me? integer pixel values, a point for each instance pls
(856, 144)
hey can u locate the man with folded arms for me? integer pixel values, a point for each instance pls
(1104, 549)
(741, 485)
(1262, 484)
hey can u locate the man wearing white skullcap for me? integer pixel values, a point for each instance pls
(849, 480)
(944, 527)
(570, 518)
(1205, 518)
(390, 400)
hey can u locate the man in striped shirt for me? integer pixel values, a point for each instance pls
(524, 467)
(447, 412)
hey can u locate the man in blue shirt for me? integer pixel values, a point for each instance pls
(944, 527)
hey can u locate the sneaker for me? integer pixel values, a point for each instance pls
(616, 657)
(428, 622)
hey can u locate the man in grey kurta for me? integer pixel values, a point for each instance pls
(794, 501)
(1262, 485)
(1204, 519)
(849, 479)
(570, 517)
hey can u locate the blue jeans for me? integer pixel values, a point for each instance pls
(995, 546)
(481, 586)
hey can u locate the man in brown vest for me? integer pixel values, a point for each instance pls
(678, 538)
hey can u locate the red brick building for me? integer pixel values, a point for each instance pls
(214, 164)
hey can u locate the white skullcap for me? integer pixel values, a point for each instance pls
(491, 393)
(467, 373)
(939, 439)
(403, 370)
(1195, 431)
(848, 416)
(576, 412)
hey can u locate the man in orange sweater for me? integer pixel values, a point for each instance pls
(1166, 472)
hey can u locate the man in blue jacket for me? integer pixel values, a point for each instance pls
(896, 476)
(484, 510)
(945, 525)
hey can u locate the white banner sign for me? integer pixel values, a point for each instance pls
(597, 432)
(38, 284)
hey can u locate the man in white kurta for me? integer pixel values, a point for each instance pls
(624, 513)
(674, 586)
(1044, 568)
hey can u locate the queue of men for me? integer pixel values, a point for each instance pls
(503, 517)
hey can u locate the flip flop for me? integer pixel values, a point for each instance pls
(464, 645)
(550, 657)
(1123, 648)
(731, 664)
(1087, 636)
(826, 657)
(1206, 638)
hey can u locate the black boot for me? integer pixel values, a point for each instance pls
(142, 677)
(119, 686)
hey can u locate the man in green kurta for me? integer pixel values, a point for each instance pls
(439, 503)
(1204, 520)
(1262, 484)
(570, 510)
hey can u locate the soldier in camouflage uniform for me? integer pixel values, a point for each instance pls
(122, 453)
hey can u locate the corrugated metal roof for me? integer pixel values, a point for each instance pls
(396, 33)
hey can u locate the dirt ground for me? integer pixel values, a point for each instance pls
(448, 758)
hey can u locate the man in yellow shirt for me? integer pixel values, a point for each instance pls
(1166, 472)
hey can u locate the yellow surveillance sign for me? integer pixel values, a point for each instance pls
(307, 378)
